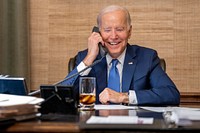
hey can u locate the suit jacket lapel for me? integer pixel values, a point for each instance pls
(128, 68)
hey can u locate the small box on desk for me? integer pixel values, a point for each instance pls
(58, 99)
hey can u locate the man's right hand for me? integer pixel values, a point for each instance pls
(93, 48)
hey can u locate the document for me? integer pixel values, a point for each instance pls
(119, 120)
(178, 115)
(8, 100)
(113, 107)
(187, 113)
(169, 108)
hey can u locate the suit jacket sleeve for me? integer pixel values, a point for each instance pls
(160, 89)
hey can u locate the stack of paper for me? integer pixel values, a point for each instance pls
(19, 107)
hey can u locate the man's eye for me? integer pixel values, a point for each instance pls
(107, 30)
(121, 29)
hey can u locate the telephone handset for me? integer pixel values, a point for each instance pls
(103, 51)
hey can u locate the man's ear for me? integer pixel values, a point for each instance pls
(129, 32)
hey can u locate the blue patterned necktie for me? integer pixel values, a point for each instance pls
(114, 79)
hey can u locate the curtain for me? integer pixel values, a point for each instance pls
(14, 39)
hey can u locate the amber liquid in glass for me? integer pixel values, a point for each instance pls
(87, 99)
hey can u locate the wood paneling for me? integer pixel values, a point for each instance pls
(60, 28)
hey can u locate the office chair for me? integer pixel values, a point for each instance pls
(71, 64)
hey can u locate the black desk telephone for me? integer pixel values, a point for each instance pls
(103, 51)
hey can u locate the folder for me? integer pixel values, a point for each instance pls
(16, 86)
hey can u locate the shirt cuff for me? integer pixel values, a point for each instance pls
(82, 66)
(132, 97)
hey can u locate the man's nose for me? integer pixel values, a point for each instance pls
(113, 34)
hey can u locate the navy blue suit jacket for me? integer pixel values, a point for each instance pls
(141, 72)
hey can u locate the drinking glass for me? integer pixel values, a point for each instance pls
(87, 93)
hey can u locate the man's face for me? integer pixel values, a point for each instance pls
(115, 32)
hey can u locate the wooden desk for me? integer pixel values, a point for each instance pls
(190, 99)
(76, 123)
(38, 126)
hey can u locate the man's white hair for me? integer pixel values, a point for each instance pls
(111, 9)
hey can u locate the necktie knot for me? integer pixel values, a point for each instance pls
(114, 62)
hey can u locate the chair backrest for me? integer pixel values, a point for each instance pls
(71, 64)
(163, 64)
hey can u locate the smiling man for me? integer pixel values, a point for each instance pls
(128, 74)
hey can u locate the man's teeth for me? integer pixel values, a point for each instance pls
(113, 43)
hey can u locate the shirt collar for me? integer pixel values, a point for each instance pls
(120, 58)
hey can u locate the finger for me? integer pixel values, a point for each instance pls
(103, 100)
(98, 37)
(104, 97)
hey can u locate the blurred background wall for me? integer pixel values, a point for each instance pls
(60, 28)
